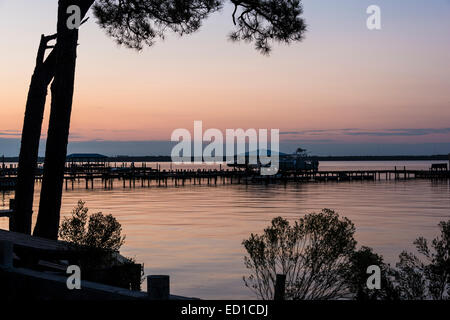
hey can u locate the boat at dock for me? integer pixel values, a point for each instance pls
(298, 162)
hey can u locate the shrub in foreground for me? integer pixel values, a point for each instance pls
(97, 239)
(317, 255)
(314, 254)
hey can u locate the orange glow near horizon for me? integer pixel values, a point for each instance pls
(346, 77)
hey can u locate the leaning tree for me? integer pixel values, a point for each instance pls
(134, 24)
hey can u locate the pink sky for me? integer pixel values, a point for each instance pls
(341, 76)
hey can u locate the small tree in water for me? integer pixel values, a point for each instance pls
(314, 254)
(101, 232)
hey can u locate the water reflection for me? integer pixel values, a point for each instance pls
(194, 233)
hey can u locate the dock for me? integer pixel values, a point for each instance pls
(34, 268)
(131, 176)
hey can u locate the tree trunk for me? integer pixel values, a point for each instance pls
(62, 88)
(58, 132)
(31, 133)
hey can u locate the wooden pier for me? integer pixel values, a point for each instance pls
(143, 176)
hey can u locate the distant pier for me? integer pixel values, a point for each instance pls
(131, 176)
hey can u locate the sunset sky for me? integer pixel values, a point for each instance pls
(344, 89)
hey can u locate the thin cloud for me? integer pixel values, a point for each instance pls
(10, 133)
(364, 132)
(400, 132)
(304, 132)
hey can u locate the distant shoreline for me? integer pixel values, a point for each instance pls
(441, 157)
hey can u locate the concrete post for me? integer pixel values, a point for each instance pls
(158, 287)
(6, 254)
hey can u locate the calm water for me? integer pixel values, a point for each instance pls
(194, 233)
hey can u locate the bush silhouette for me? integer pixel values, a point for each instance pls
(419, 280)
(314, 254)
(101, 232)
(319, 259)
